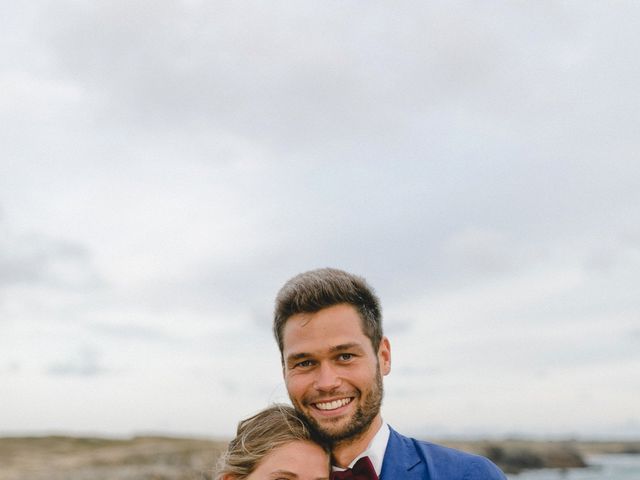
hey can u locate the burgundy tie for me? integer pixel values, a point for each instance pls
(362, 470)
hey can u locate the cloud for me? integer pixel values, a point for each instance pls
(395, 78)
(35, 259)
(131, 331)
(343, 115)
(395, 326)
(84, 363)
(481, 251)
(10, 368)
(613, 253)
(39, 260)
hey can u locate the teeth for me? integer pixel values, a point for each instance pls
(333, 405)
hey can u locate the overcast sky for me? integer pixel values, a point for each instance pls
(166, 166)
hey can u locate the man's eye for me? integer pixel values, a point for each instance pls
(304, 364)
(346, 356)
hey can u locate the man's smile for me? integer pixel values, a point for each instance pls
(333, 404)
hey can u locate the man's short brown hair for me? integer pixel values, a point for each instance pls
(311, 291)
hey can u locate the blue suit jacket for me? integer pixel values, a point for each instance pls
(407, 458)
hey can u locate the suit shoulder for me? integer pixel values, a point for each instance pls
(449, 463)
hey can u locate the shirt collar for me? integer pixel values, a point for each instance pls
(375, 450)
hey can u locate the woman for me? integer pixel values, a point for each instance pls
(275, 445)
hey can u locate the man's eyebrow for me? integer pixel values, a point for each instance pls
(297, 356)
(346, 346)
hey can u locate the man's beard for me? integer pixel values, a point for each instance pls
(358, 424)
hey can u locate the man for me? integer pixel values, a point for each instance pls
(328, 326)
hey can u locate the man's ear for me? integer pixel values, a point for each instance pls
(384, 356)
(228, 476)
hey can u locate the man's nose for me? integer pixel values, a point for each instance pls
(327, 378)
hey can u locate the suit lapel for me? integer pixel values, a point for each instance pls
(400, 459)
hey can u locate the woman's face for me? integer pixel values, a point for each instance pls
(297, 460)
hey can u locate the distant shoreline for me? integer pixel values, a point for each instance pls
(516, 455)
(59, 457)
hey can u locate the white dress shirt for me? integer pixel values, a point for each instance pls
(375, 450)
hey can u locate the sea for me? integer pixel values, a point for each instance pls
(601, 467)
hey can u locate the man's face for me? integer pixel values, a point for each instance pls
(333, 376)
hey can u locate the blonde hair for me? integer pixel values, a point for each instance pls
(258, 435)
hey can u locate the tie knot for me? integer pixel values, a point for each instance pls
(362, 470)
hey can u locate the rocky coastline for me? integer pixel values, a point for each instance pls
(516, 455)
(166, 458)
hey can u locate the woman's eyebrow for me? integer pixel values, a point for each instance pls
(280, 473)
